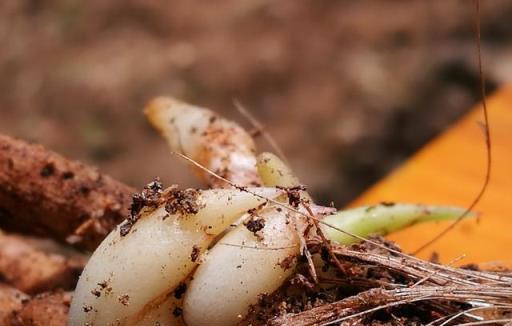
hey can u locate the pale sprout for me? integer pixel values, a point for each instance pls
(216, 143)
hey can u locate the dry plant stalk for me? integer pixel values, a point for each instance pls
(43, 193)
(437, 287)
(376, 299)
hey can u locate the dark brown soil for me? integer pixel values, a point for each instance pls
(348, 88)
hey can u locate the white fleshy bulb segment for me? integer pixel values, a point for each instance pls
(216, 143)
(239, 267)
(165, 313)
(126, 274)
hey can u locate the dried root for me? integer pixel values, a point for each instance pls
(46, 194)
(19, 309)
(11, 301)
(34, 270)
(50, 308)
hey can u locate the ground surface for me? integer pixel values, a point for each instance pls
(349, 89)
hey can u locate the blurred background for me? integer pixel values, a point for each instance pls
(349, 89)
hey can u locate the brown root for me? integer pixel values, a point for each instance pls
(50, 308)
(46, 194)
(19, 309)
(11, 300)
(34, 270)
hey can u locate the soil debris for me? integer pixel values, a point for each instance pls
(255, 224)
(182, 202)
(383, 288)
(149, 198)
(124, 299)
(180, 290)
(294, 194)
(195, 253)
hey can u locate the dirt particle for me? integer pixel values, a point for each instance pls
(137, 204)
(149, 197)
(288, 262)
(96, 293)
(67, 175)
(255, 224)
(124, 299)
(103, 284)
(195, 253)
(87, 308)
(294, 195)
(152, 192)
(47, 170)
(105, 287)
(183, 202)
(177, 311)
(125, 228)
(180, 290)
(84, 190)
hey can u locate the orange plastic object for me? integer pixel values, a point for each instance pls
(450, 170)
